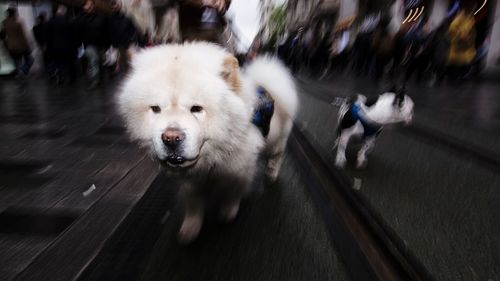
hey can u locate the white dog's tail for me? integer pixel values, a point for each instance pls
(271, 74)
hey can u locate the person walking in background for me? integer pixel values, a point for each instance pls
(182, 20)
(14, 35)
(400, 50)
(91, 29)
(141, 13)
(40, 34)
(382, 46)
(417, 55)
(462, 37)
(362, 51)
(203, 20)
(122, 33)
(61, 46)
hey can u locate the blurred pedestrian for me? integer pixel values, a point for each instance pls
(183, 20)
(362, 50)
(62, 46)
(14, 35)
(122, 33)
(141, 14)
(340, 50)
(439, 47)
(382, 46)
(401, 46)
(462, 36)
(91, 29)
(418, 55)
(203, 20)
(40, 34)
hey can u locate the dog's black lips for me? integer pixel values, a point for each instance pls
(177, 167)
(177, 164)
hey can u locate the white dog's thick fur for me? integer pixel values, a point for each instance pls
(192, 108)
(389, 108)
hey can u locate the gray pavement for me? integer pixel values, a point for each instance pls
(278, 235)
(442, 203)
(56, 144)
(60, 141)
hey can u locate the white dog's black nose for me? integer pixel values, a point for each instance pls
(172, 137)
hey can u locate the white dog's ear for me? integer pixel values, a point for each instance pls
(231, 73)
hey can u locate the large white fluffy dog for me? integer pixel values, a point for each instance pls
(192, 107)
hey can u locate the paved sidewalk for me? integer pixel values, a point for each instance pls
(63, 154)
(440, 196)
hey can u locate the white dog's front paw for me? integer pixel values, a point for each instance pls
(190, 229)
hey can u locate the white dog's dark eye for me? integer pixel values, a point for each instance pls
(196, 108)
(155, 109)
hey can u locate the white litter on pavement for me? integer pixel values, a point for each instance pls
(44, 170)
(90, 190)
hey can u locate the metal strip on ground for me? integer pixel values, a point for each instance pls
(361, 229)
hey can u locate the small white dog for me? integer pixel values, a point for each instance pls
(366, 119)
(193, 108)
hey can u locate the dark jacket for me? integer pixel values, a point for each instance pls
(121, 30)
(60, 35)
(15, 37)
(40, 33)
(91, 30)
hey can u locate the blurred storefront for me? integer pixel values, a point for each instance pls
(301, 13)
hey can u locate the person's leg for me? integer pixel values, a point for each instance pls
(93, 71)
(27, 63)
(17, 58)
(45, 62)
(58, 68)
(159, 13)
(71, 65)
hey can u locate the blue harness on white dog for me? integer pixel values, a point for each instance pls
(263, 112)
(370, 128)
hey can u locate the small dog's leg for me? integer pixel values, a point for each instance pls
(368, 145)
(340, 160)
(193, 217)
(273, 166)
(336, 143)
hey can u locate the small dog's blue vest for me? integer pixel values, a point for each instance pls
(264, 111)
(369, 127)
